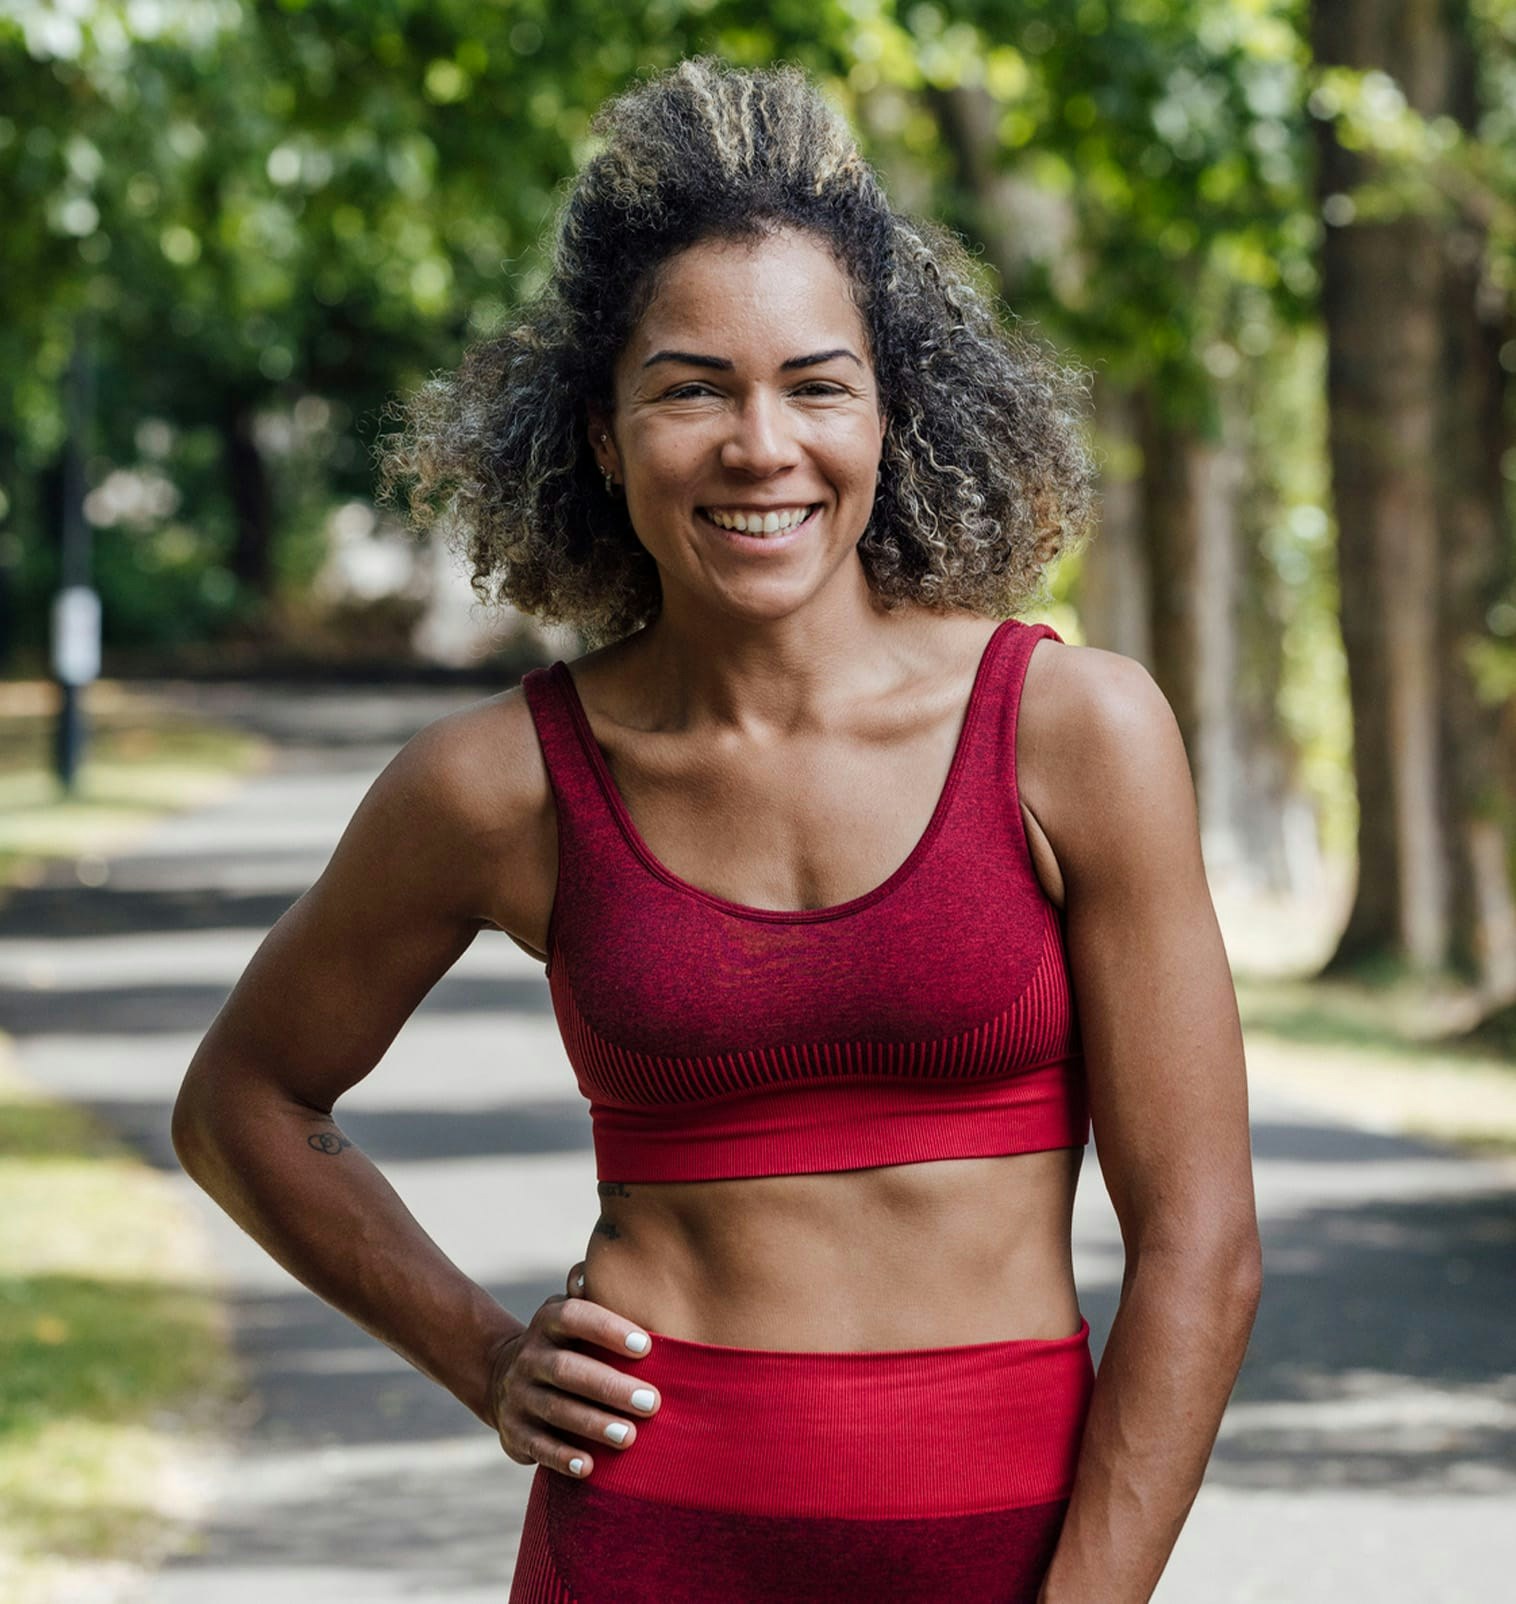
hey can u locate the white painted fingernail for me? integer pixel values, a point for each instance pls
(617, 1431)
(579, 1282)
(637, 1341)
(644, 1398)
(577, 1466)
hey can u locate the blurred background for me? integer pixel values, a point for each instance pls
(1282, 238)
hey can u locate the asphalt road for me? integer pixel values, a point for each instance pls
(1369, 1450)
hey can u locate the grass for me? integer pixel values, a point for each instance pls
(116, 1358)
(1385, 1047)
(117, 1371)
(1384, 1053)
(115, 1361)
(142, 759)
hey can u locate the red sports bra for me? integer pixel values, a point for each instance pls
(931, 1017)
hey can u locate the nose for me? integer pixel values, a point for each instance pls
(761, 441)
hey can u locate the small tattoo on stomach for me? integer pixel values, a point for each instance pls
(605, 1227)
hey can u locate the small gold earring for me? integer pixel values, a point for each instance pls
(609, 482)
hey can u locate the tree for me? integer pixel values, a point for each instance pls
(1416, 305)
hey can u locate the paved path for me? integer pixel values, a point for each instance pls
(1369, 1451)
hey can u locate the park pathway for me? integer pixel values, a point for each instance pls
(1369, 1450)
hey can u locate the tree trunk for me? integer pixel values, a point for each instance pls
(1018, 222)
(1380, 301)
(1162, 581)
(1189, 519)
(1274, 811)
(1476, 570)
(1114, 606)
(251, 559)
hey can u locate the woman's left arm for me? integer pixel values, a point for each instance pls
(1168, 1105)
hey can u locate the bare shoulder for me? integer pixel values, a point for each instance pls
(480, 775)
(1158, 1014)
(481, 764)
(446, 841)
(1101, 762)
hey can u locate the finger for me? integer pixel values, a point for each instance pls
(586, 1321)
(574, 1415)
(501, 1360)
(555, 1455)
(579, 1376)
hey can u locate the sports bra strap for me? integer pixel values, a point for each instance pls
(590, 811)
(987, 787)
(576, 786)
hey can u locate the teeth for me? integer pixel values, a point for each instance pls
(770, 523)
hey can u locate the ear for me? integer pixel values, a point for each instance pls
(600, 424)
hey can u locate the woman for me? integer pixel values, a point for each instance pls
(819, 844)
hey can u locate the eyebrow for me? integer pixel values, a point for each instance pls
(725, 363)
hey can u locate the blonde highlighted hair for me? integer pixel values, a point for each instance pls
(986, 473)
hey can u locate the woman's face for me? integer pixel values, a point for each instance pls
(747, 388)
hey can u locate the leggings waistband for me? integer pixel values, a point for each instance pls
(874, 1434)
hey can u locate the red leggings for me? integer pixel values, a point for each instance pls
(919, 1475)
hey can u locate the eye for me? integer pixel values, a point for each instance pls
(813, 384)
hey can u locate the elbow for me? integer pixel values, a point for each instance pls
(1237, 1258)
(1225, 1270)
(192, 1123)
(221, 1114)
(187, 1132)
(1240, 1278)
(1241, 1274)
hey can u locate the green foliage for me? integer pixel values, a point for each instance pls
(263, 205)
(114, 1353)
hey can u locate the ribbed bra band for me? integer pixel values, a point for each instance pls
(929, 1017)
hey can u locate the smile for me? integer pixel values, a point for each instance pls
(761, 537)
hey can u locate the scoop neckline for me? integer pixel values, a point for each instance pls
(743, 910)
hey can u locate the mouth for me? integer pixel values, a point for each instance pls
(755, 539)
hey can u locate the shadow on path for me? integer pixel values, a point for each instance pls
(524, 1128)
(168, 1007)
(1381, 1360)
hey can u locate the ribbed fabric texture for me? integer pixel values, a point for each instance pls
(606, 1548)
(536, 1579)
(931, 1017)
(879, 1434)
(931, 1475)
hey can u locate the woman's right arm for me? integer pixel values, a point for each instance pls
(456, 828)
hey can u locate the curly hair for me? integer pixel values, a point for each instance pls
(986, 472)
